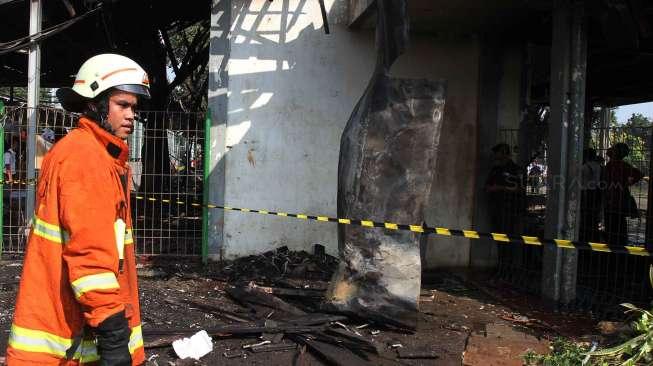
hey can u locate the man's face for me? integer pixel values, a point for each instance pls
(499, 157)
(121, 113)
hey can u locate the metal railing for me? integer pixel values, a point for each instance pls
(166, 159)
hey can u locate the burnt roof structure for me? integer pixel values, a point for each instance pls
(620, 44)
(79, 29)
(620, 51)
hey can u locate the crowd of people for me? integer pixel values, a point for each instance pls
(606, 200)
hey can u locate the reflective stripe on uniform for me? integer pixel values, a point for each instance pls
(38, 341)
(29, 340)
(54, 233)
(43, 342)
(99, 281)
(49, 231)
(135, 339)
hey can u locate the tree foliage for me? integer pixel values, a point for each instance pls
(636, 134)
(638, 120)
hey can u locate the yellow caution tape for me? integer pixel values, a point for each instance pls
(470, 234)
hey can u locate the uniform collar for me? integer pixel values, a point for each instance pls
(115, 146)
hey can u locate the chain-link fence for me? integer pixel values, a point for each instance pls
(166, 159)
(517, 191)
(614, 209)
(166, 162)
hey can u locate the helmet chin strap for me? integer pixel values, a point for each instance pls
(99, 111)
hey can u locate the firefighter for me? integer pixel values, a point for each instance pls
(78, 296)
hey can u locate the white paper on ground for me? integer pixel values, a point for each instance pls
(194, 347)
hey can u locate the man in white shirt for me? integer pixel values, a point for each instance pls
(10, 162)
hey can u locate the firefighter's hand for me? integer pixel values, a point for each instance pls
(113, 341)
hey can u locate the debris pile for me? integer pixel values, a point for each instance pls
(277, 306)
(282, 263)
(280, 321)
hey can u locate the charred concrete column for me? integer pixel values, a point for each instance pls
(218, 102)
(388, 156)
(568, 71)
(483, 252)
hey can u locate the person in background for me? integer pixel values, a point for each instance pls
(44, 143)
(505, 190)
(535, 175)
(619, 203)
(9, 159)
(590, 198)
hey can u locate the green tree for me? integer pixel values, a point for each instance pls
(638, 129)
(638, 120)
(613, 118)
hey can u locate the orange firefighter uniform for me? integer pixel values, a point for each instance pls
(73, 276)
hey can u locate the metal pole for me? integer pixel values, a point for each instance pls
(648, 238)
(603, 131)
(2, 188)
(205, 186)
(33, 87)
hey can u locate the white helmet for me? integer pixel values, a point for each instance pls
(101, 73)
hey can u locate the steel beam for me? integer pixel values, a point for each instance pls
(33, 87)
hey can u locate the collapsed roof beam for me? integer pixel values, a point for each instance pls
(69, 8)
(359, 12)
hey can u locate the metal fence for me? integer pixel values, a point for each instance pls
(525, 210)
(166, 151)
(610, 215)
(604, 279)
(166, 159)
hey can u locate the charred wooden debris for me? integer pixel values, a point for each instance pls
(282, 308)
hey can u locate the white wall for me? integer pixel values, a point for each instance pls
(291, 90)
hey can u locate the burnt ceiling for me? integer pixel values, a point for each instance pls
(620, 51)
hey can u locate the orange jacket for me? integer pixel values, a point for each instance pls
(72, 277)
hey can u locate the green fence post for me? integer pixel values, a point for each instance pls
(205, 186)
(2, 180)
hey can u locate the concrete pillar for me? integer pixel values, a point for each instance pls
(219, 54)
(483, 252)
(568, 72)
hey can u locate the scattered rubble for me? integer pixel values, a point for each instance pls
(272, 266)
(278, 320)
